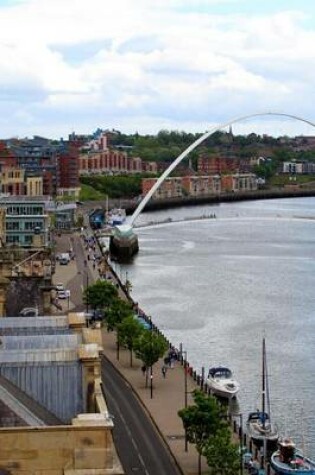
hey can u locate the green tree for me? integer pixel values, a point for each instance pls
(100, 295)
(222, 454)
(117, 312)
(128, 331)
(149, 348)
(202, 420)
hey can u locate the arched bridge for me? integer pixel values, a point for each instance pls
(124, 242)
(195, 144)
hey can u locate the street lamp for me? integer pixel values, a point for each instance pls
(87, 297)
(186, 393)
(151, 368)
(240, 434)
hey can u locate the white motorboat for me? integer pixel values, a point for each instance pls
(221, 382)
(116, 217)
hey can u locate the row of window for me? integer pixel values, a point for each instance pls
(25, 210)
(28, 226)
(27, 241)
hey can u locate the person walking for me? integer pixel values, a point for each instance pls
(164, 369)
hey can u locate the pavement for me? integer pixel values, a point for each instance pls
(168, 393)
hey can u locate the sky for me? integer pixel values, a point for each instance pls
(147, 65)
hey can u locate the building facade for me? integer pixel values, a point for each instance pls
(239, 182)
(198, 186)
(68, 183)
(26, 221)
(113, 162)
(201, 185)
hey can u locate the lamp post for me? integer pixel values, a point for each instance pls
(186, 393)
(241, 441)
(151, 368)
(87, 298)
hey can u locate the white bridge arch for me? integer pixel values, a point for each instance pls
(195, 144)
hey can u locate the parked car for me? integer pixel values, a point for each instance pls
(146, 325)
(59, 286)
(64, 258)
(94, 316)
(63, 294)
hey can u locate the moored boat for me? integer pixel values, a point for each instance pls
(260, 427)
(222, 383)
(288, 460)
(116, 217)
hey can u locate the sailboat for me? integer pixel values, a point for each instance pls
(260, 428)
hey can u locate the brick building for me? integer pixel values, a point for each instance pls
(217, 165)
(68, 183)
(197, 186)
(112, 162)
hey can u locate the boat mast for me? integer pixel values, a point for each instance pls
(263, 381)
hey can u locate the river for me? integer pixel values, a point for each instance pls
(219, 284)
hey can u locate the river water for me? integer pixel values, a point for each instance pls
(219, 285)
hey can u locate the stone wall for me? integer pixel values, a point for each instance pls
(23, 292)
(86, 449)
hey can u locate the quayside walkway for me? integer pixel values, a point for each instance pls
(168, 393)
(168, 397)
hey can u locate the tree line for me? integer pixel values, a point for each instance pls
(205, 422)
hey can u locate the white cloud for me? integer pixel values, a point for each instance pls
(142, 64)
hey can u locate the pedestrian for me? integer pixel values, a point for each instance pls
(143, 369)
(164, 371)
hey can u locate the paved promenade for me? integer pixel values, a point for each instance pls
(168, 393)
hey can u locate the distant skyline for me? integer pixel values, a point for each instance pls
(143, 66)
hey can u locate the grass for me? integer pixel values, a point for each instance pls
(88, 193)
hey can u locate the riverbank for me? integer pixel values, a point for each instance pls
(168, 394)
(155, 205)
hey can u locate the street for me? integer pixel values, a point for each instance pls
(140, 447)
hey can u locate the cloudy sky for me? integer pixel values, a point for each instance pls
(147, 65)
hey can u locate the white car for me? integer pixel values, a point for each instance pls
(63, 294)
(59, 286)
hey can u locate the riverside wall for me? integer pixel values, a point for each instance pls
(197, 380)
(130, 205)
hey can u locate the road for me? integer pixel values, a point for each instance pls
(140, 447)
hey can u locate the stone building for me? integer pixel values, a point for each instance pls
(53, 416)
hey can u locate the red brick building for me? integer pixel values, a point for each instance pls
(217, 165)
(7, 158)
(112, 162)
(68, 173)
